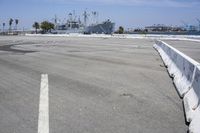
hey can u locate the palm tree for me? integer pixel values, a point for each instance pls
(36, 25)
(16, 23)
(4, 24)
(10, 24)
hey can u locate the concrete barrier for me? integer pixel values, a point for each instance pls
(192, 98)
(194, 126)
(186, 77)
(180, 66)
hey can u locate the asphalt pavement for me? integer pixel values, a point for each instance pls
(96, 85)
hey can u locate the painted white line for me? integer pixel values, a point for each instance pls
(43, 119)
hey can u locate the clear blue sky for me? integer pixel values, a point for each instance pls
(128, 13)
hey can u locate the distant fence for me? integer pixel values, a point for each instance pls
(15, 32)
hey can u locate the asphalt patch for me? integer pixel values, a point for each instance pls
(126, 95)
(10, 49)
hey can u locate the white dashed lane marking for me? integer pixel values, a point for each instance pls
(43, 119)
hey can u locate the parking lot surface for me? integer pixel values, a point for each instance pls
(190, 48)
(96, 85)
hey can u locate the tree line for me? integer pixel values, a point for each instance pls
(45, 26)
(10, 23)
